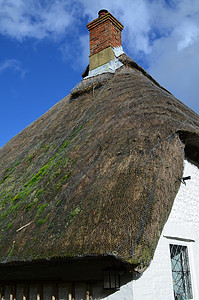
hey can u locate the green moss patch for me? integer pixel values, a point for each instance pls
(9, 171)
(39, 192)
(43, 171)
(11, 251)
(43, 221)
(76, 211)
(41, 209)
(30, 158)
(63, 180)
(19, 196)
(27, 187)
(10, 225)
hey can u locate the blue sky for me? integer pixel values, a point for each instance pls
(44, 48)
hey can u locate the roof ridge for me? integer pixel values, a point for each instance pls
(127, 61)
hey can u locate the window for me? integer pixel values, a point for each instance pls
(181, 272)
(111, 278)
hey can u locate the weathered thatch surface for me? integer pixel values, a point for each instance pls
(97, 174)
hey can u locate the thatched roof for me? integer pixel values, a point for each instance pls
(98, 173)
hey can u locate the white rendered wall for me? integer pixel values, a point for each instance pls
(124, 293)
(182, 228)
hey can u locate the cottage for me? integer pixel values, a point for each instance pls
(99, 196)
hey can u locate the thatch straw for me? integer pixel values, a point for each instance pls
(98, 173)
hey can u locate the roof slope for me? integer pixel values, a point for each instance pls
(97, 174)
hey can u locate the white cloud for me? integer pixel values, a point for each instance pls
(174, 58)
(188, 34)
(177, 70)
(14, 65)
(133, 14)
(34, 19)
(144, 20)
(163, 34)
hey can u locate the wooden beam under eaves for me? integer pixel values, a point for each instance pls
(71, 294)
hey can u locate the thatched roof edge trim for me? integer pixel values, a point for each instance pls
(16, 261)
(91, 83)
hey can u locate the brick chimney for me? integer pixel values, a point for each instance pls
(105, 35)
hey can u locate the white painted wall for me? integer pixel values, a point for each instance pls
(125, 293)
(182, 228)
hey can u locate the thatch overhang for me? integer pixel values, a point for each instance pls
(98, 173)
(67, 269)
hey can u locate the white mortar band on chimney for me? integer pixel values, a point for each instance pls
(118, 51)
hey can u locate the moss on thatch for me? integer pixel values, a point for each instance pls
(98, 173)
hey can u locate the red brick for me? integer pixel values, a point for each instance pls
(104, 31)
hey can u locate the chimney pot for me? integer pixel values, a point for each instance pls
(102, 12)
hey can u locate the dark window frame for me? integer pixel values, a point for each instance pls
(181, 274)
(111, 279)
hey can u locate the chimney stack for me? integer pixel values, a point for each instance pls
(105, 36)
